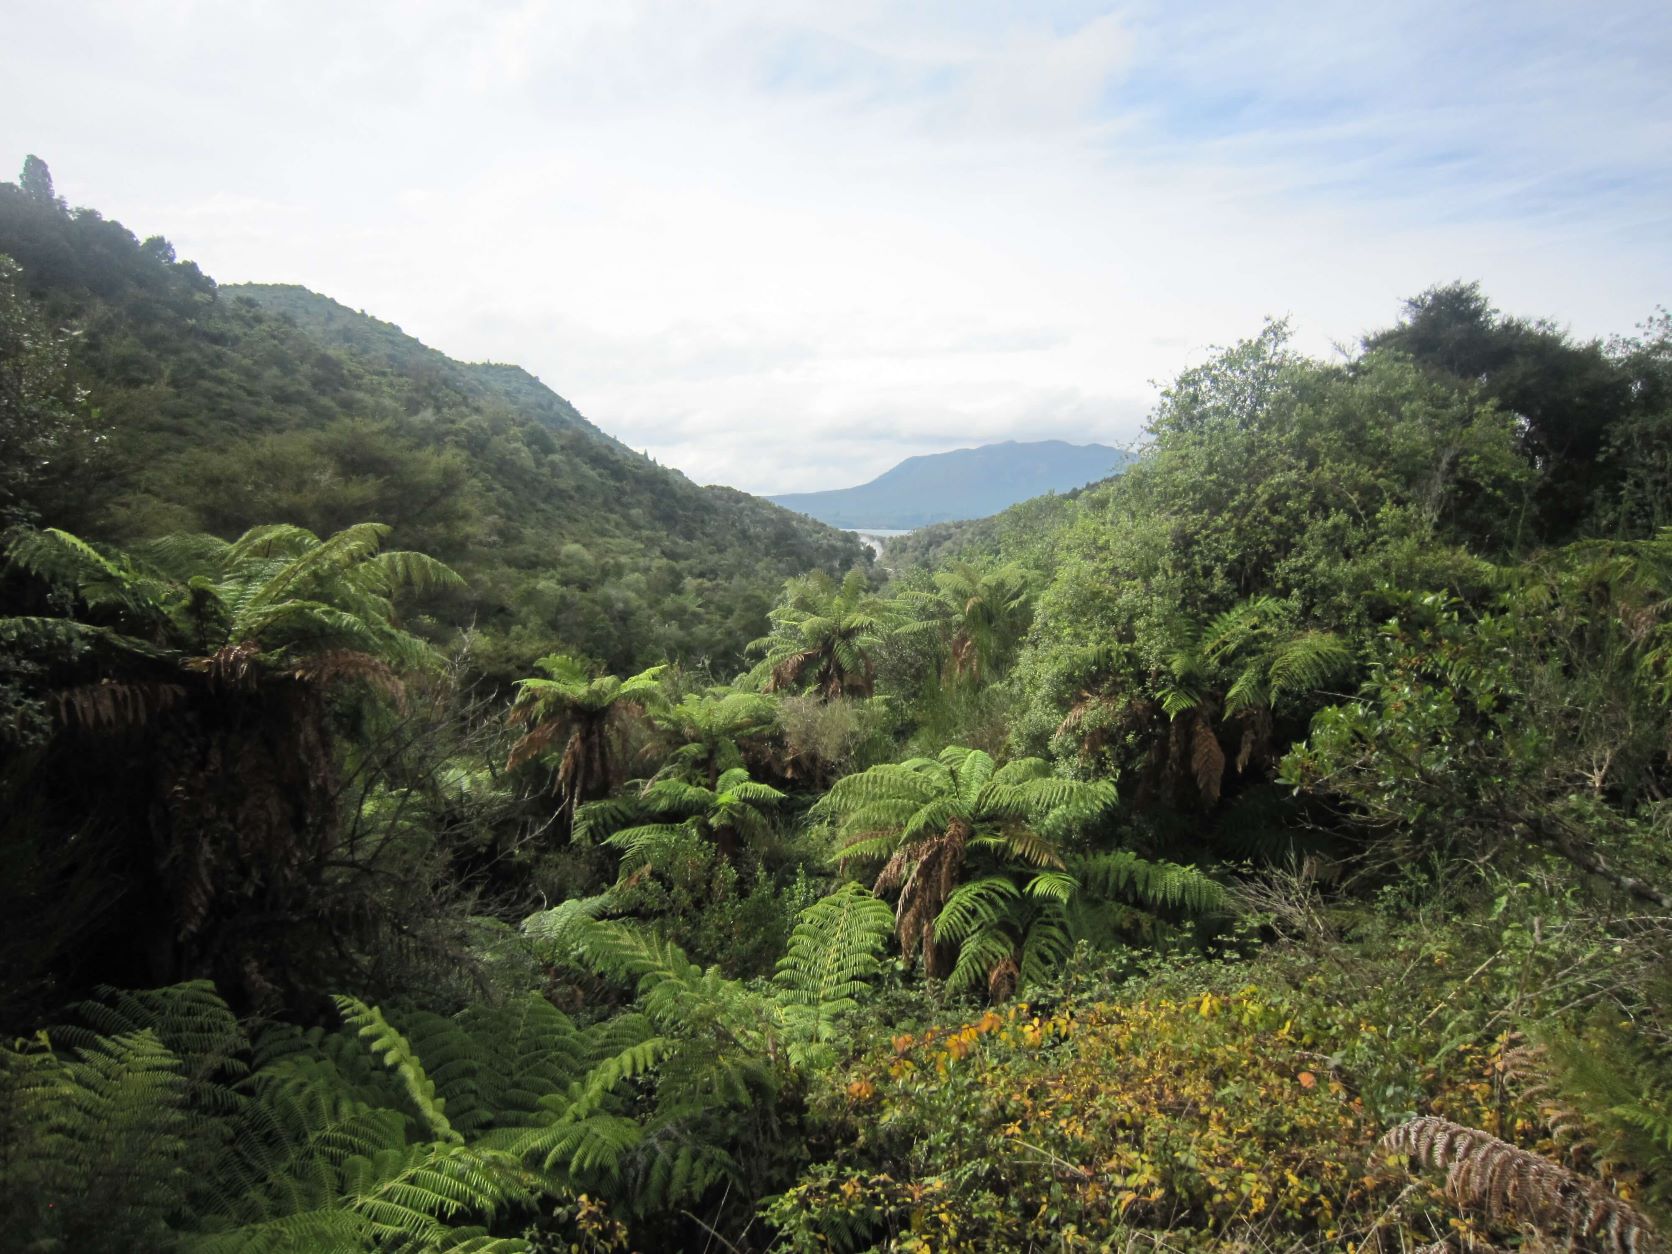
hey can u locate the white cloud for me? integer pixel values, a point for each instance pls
(782, 244)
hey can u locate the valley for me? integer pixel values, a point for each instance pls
(428, 824)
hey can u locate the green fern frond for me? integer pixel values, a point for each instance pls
(833, 954)
(384, 1040)
(974, 906)
(1306, 662)
(1057, 886)
(978, 957)
(402, 568)
(1152, 883)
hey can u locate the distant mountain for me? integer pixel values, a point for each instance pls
(965, 483)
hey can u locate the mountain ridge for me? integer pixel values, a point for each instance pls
(372, 337)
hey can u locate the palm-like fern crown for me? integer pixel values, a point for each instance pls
(1252, 655)
(572, 703)
(278, 598)
(924, 819)
(293, 594)
(823, 636)
(676, 810)
(1020, 803)
(569, 687)
(708, 728)
(980, 612)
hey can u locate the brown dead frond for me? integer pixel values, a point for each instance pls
(1528, 1068)
(893, 871)
(1207, 758)
(115, 705)
(343, 666)
(1003, 978)
(931, 868)
(1257, 731)
(535, 742)
(1504, 1183)
(787, 673)
(229, 669)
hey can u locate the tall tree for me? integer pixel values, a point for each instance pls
(46, 433)
(36, 183)
(1568, 396)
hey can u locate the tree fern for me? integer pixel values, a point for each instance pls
(924, 819)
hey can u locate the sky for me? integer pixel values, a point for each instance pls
(782, 245)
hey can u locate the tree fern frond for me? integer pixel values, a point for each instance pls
(402, 568)
(1306, 662)
(978, 956)
(1152, 883)
(383, 1039)
(974, 906)
(1057, 886)
(833, 954)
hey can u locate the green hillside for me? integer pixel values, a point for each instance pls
(217, 409)
(383, 344)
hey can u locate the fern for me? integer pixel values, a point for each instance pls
(1153, 884)
(1491, 1177)
(370, 1025)
(925, 818)
(192, 1136)
(1622, 1085)
(975, 906)
(833, 954)
(97, 1155)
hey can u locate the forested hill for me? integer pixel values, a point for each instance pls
(204, 409)
(373, 340)
(960, 484)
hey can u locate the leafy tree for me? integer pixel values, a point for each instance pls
(36, 183)
(1568, 396)
(1538, 723)
(933, 823)
(46, 435)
